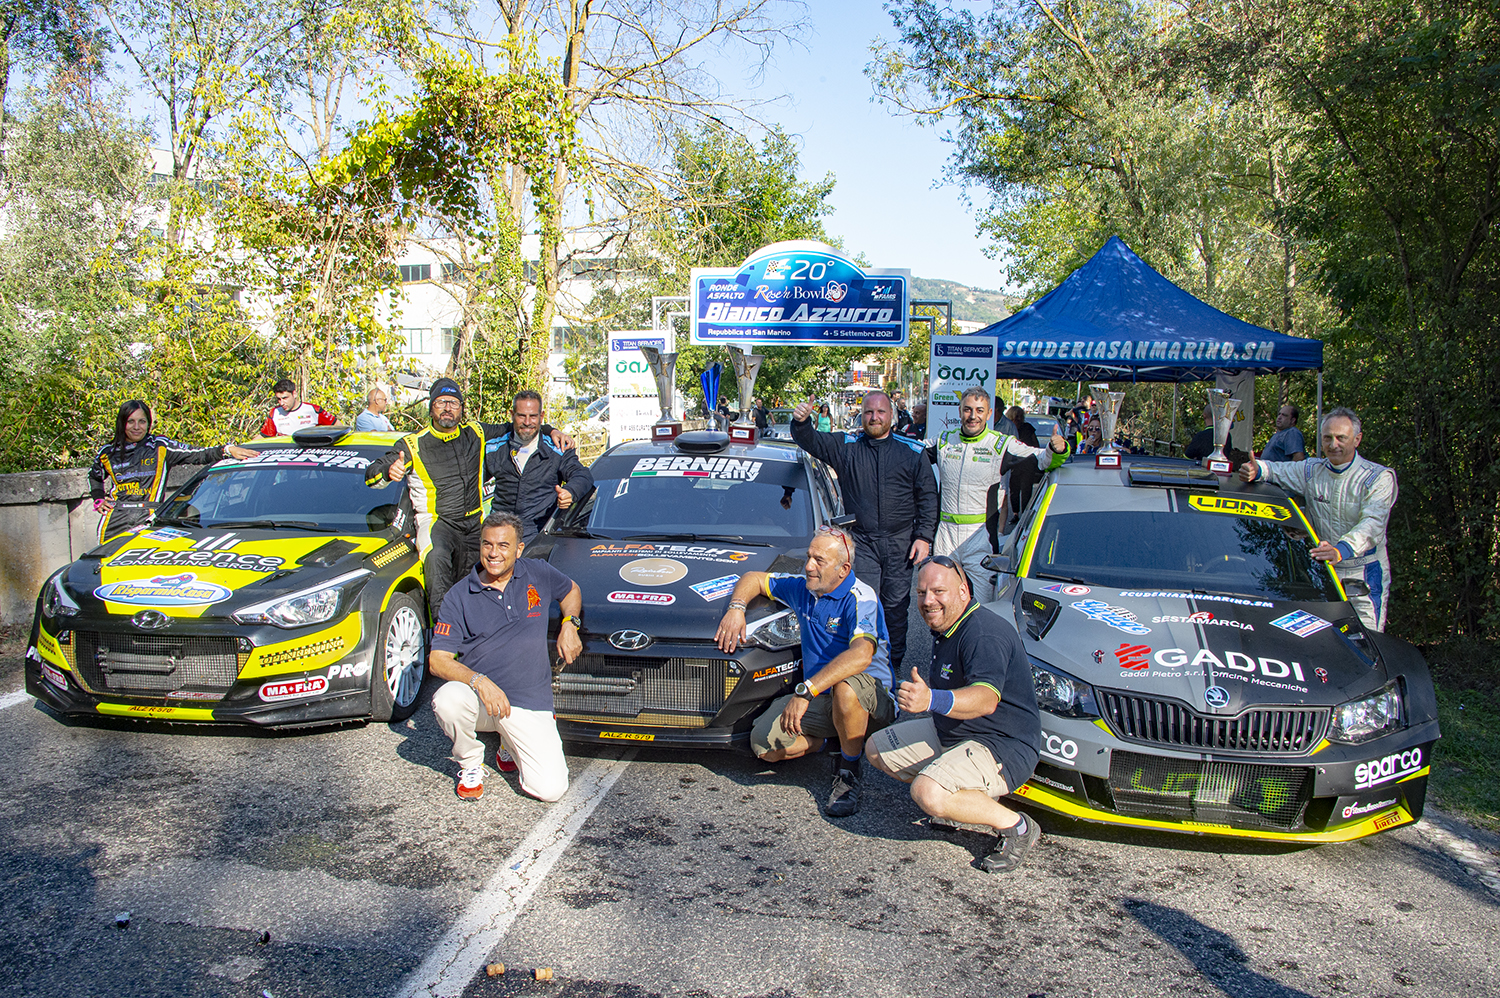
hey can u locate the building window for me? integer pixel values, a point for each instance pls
(559, 338)
(413, 272)
(446, 337)
(454, 273)
(418, 340)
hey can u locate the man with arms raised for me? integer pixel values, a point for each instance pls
(984, 733)
(887, 483)
(491, 645)
(1349, 500)
(845, 662)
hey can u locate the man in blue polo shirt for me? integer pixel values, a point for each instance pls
(490, 643)
(846, 663)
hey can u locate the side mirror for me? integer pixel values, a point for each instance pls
(998, 562)
(1355, 587)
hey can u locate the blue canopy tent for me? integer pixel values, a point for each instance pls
(1117, 319)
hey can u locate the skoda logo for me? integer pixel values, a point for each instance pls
(630, 640)
(1216, 696)
(150, 620)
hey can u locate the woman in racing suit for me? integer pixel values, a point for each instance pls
(130, 472)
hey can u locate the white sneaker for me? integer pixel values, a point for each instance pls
(470, 783)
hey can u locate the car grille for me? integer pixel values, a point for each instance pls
(1240, 795)
(1270, 730)
(154, 665)
(663, 692)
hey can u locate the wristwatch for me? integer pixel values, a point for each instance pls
(575, 620)
(805, 690)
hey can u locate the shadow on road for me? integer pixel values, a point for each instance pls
(1215, 954)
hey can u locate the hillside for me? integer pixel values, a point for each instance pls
(978, 304)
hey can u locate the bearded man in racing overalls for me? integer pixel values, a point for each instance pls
(972, 459)
(446, 463)
(1348, 498)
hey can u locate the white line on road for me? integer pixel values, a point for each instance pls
(458, 956)
(14, 697)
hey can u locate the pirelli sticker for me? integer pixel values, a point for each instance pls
(1239, 507)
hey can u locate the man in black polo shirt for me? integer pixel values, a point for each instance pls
(982, 738)
(490, 643)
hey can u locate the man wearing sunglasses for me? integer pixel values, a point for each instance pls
(983, 735)
(846, 692)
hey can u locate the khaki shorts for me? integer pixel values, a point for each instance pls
(911, 749)
(768, 735)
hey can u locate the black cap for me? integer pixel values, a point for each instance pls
(284, 385)
(444, 386)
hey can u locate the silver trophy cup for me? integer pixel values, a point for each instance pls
(664, 370)
(1108, 405)
(746, 370)
(1224, 407)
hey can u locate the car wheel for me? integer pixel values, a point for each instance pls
(400, 660)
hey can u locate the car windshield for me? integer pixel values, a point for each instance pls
(721, 502)
(1140, 549)
(289, 495)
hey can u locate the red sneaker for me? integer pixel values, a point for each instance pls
(503, 761)
(470, 783)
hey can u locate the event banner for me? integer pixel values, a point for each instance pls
(957, 363)
(633, 405)
(799, 293)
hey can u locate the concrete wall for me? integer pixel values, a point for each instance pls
(46, 521)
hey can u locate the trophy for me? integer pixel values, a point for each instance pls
(664, 370)
(1224, 407)
(746, 369)
(1108, 406)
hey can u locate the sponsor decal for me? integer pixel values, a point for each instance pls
(1354, 809)
(682, 552)
(1232, 662)
(1067, 590)
(656, 599)
(1386, 769)
(771, 672)
(53, 675)
(348, 670)
(33, 655)
(533, 598)
(715, 589)
(1386, 820)
(1133, 657)
(1301, 623)
(696, 467)
(1058, 748)
(1199, 597)
(194, 695)
(164, 590)
(1039, 778)
(165, 534)
(1216, 697)
(441, 629)
(153, 557)
(313, 650)
(629, 736)
(1205, 618)
(1117, 617)
(1239, 507)
(653, 571)
(1099, 655)
(308, 456)
(293, 689)
(1321, 673)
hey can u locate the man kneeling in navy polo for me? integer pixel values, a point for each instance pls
(845, 659)
(490, 643)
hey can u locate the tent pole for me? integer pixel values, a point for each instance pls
(1174, 420)
(1318, 426)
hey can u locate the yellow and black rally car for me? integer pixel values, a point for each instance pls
(275, 591)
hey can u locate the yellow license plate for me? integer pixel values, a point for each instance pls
(630, 736)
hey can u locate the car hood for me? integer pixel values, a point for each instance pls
(210, 572)
(1216, 652)
(672, 591)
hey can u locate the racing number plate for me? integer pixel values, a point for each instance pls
(629, 736)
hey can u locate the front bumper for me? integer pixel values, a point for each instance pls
(1332, 793)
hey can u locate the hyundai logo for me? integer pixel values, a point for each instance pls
(1216, 697)
(150, 620)
(630, 640)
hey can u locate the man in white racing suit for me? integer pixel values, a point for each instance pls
(1348, 498)
(972, 459)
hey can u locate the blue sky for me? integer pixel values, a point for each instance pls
(887, 205)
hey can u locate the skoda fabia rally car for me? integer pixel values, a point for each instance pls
(1197, 671)
(274, 591)
(656, 550)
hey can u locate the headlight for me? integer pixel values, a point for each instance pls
(55, 599)
(1360, 720)
(1061, 694)
(310, 606)
(778, 631)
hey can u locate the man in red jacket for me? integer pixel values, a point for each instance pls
(291, 413)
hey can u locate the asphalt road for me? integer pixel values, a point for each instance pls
(340, 863)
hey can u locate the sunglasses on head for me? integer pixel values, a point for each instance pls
(839, 533)
(946, 562)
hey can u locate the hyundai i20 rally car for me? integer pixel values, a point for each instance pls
(656, 550)
(1197, 671)
(274, 591)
